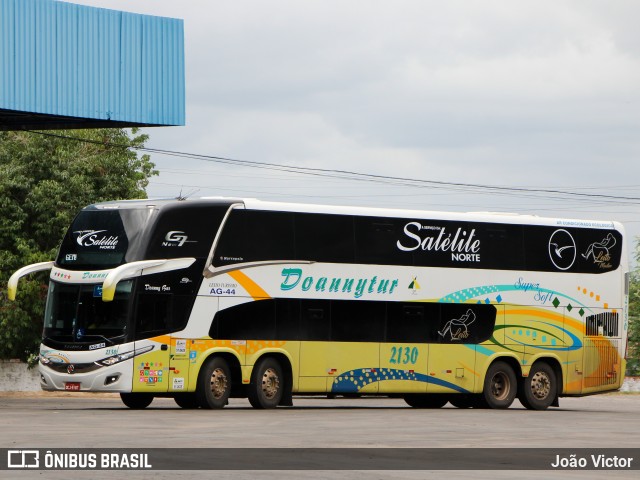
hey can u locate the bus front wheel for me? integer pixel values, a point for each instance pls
(267, 384)
(214, 384)
(539, 388)
(136, 400)
(500, 386)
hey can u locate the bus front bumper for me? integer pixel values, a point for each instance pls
(69, 377)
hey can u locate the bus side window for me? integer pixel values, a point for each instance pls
(324, 238)
(268, 236)
(252, 236)
(408, 323)
(161, 313)
(287, 319)
(357, 321)
(376, 240)
(466, 323)
(191, 227)
(254, 320)
(315, 322)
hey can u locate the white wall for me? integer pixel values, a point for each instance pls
(15, 377)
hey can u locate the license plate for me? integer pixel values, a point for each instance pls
(73, 386)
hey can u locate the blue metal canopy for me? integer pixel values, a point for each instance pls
(71, 66)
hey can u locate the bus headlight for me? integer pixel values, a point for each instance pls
(121, 357)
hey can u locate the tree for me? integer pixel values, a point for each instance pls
(633, 361)
(45, 179)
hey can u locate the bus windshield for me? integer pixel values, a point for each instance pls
(77, 314)
(102, 239)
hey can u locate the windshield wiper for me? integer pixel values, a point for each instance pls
(92, 335)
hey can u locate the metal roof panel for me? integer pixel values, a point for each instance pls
(68, 60)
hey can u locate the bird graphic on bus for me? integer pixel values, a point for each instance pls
(458, 327)
(558, 250)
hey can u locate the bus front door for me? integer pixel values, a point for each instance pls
(179, 360)
(165, 368)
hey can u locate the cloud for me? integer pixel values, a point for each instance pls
(497, 92)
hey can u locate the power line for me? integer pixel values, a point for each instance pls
(359, 176)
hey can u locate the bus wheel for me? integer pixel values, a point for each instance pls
(539, 388)
(186, 400)
(500, 386)
(419, 400)
(136, 400)
(267, 384)
(214, 384)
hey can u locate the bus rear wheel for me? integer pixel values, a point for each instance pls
(500, 386)
(419, 400)
(267, 384)
(136, 401)
(214, 384)
(539, 388)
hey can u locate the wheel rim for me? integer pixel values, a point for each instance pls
(270, 383)
(540, 385)
(219, 383)
(500, 386)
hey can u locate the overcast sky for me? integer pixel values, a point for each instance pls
(534, 94)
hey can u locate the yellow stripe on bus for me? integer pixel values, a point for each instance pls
(249, 285)
(467, 367)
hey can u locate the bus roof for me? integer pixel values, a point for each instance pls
(488, 217)
(255, 204)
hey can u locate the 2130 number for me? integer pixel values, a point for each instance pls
(403, 355)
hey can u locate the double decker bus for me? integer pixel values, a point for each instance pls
(206, 299)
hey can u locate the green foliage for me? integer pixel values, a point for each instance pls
(44, 181)
(633, 354)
